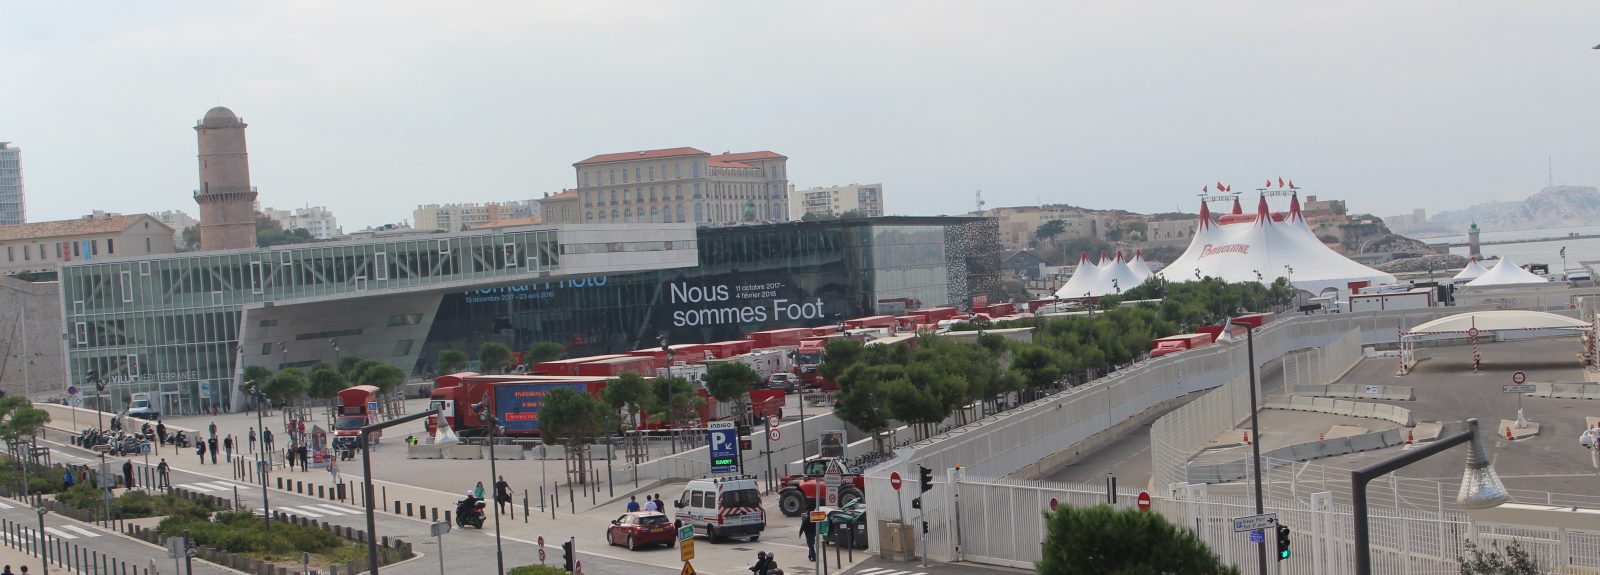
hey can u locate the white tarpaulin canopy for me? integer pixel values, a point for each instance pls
(1506, 273)
(1487, 321)
(1264, 247)
(1471, 272)
(1110, 277)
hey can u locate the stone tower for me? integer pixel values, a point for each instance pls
(1472, 242)
(227, 202)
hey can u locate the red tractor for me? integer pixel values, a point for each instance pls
(799, 492)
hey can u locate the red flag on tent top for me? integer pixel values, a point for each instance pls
(1280, 182)
(1269, 182)
(1220, 187)
(1228, 189)
(1291, 185)
(1205, 190)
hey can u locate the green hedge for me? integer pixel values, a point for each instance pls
(245, 532)
(40, 480)
(135, 504)
(537, 570)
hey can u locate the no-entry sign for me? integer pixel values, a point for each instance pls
(1472, 332)
(1144, 501)
(894, 480)
(1518, 377)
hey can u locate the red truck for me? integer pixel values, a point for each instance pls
(516, 399)
(357, 408)
(615, 366)
(568, 366)
(778, 337)
(799, 492)
(1177, 343)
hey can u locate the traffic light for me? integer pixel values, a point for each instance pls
(1283, 542)
(567, 556)
(925, 478)
(916, 503)
(744, 444)
(924, 527)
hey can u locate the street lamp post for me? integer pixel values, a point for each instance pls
(1255, 431)
(93, 377)
(44, 550)
(1480, 485)
(283, 352)
(335, 344)
(482, 409)
(263, 460)
(366, 480)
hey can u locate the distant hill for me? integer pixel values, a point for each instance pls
(1554, 207)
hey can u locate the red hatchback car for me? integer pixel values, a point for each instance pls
(641, 528)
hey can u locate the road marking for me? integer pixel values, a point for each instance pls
(334, 509)
(59, 533)
(301, 511)
(85, 532)
(5, 506)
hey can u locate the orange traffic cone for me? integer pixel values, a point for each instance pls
(1247, 437)
(1508, 435)
(1410, 437)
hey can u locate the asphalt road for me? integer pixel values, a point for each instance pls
(85, 542)
(466, 550)
(877, 566)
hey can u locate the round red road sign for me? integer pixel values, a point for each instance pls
(772, 421)
(1053, 503)
(1518, 377)
(541, 541)
(541, 555)
(1472, 332)
(894, 480)
(1144, 501)
(774, 434)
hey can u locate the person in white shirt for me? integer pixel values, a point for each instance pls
(650, 504)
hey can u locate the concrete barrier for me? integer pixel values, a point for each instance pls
(1238, 469)
(509, 451)
(1354, 391)
(463, 452)
(423, 452)
(1398, 393)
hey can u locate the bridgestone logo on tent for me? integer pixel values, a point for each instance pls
(1230, 248)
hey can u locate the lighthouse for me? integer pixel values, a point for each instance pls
(227, 201)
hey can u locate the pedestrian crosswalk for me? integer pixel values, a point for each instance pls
(882, 571)
(214, 486)
(63, 532)
(315, 510)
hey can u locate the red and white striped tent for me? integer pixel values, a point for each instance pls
(1481, 323)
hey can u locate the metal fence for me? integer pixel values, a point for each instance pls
(1003, 522)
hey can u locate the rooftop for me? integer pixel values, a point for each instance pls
(78, 227)
(642, 155)
(744, 156)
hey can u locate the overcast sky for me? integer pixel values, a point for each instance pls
(371, 108)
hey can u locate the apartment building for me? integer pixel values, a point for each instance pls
(682, 185)
(863, 199)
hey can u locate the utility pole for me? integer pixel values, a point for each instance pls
(1255, 431)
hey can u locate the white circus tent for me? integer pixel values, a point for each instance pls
(1265, 246)
(1506, 273)
(1471, 272)
(1138, 266)
(1110, 277)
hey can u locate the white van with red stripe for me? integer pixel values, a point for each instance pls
(722, 507)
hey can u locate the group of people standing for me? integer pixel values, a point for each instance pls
(649, 504)
(502, 493)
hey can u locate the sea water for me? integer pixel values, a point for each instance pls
(1548, 253)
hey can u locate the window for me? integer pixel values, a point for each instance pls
(77, 250)
(566, 213)
(652, 173)
(268, 323)
(94, 248)
(401, 319)
(588, 198)
(696, 190)
(403, 347)
(82, 330)
(613, 196)
(111, 246)
(627, 216)
(255, 277)
(147, 245)
(638, 194)
(614, 218)
(266, 349)
(677, 170)
(613, 176)
(652, 193)
(588, 217)
(144, 268)
(586, 179)
(636, 173)
(680, 213)
(127, 286)
(380, 266)
(444, 247)
(26, 253)
(58, 250)
(694, 169)
(508, 254)
(699, 214)
(698, 501)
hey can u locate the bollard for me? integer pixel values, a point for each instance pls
(524, 506)
(385, 492)
(572, 502)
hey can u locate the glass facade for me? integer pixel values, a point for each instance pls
(171, 325)
(749, 278)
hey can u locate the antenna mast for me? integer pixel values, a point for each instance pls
(978, 199)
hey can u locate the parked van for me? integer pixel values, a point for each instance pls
(722, 507)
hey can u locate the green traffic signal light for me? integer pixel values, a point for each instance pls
(1283, 543)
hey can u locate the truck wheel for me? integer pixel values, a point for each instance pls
(792, 503)
(848, 494)
(711, 535)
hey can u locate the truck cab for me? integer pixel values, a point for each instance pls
(357, 408)
(140, 406)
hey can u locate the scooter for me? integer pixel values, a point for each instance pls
(179, 440)
(473, 516)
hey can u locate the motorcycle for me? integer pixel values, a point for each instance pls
(473, 516)
(179, 440)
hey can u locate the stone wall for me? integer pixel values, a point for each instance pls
(41, 304)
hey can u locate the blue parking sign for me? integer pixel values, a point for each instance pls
(1257, 537)
(724, 447)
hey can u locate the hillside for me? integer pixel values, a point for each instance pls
(1554, 207)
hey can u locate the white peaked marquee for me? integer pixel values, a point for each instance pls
(1109, 277)
(1471, 272)
(1506, 273)
(1263, 247)
(1473, 324)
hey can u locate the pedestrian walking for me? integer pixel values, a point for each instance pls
(200, 450)
(809, 530)
(502, 495)
(211, 444)
(213, 429)
(333, 471)
(67, 480)
(266, 440)
(633, 504)
(227, 447)
(161, 433)
(127, 473)
(649, 504)
(478, 491)
(288, 458)
(163, 473)
(252, 440)
(305, 458)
